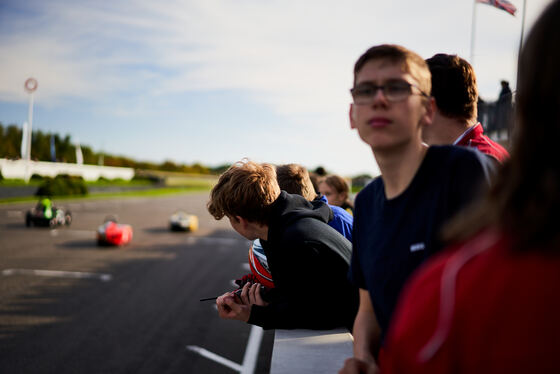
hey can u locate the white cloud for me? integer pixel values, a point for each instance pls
(294, 57)
(279, 49)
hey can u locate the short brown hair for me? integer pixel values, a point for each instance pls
(247, 189)
(338, 183)
(294, 179)
(411, 62)
(453, 86)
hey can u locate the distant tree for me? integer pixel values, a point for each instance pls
(90, 157)
(361, 180)
(119, 161)
(10, 141)
(62, 185)
(197, 168)
(39, 146)
(111, 161)
(144, 165)
(65, 150)
(220, 169)
(169, 166)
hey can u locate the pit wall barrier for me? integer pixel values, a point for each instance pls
(310, 351)
(22, 169)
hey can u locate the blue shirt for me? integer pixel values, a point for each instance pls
(392, 237)
(342, 220)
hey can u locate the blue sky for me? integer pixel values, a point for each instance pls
(214, 81)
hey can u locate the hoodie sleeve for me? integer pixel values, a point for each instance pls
(322, 311)
(313, 292)
(292, 315)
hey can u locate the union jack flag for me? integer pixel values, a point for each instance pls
(500, 4)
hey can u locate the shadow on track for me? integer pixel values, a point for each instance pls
(158, 230)
(79, 244)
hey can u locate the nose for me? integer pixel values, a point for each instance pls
(379, 97)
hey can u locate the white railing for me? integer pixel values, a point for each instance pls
(22, 169)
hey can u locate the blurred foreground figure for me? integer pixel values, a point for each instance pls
(490, 304)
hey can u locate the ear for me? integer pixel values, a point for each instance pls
(428, 116)
(352, 116)
(242, 221)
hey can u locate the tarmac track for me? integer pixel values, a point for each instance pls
(131, 310)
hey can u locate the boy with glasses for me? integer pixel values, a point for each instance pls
(397, 216)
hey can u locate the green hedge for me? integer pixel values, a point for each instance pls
(62, 185)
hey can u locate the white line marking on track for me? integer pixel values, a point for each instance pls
(214, 357)
(88, 233)
(252, 350)
(14, 213)
(58, 274)
(249, 360)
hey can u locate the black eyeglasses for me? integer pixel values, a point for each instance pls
(364, 94)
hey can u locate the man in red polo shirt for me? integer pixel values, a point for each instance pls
(454, 88)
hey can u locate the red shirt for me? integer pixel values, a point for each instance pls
(481, 308)
(474, 137)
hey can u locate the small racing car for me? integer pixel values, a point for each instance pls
(45, 214)
(112, 233)
(181, 221)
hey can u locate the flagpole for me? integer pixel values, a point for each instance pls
(473, 27)
(27, 175)
(30, 126)
(30, 86)
(522, 26)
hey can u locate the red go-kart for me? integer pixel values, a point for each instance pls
(112, 233)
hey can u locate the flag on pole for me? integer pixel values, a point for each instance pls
(53, 149)
(500, 4)
(79, 156)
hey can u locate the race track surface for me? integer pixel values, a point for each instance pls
(69, 306)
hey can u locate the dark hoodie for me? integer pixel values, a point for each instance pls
(309, 262)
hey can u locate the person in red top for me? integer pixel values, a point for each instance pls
(454, 88)
(483, 308)
(491, 304)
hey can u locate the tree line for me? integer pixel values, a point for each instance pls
(65, 151)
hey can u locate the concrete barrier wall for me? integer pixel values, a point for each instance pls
(21, 169)
(310, 351)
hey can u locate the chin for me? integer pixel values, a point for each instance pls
(379, 144)
(375, 140)
(249, 236)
